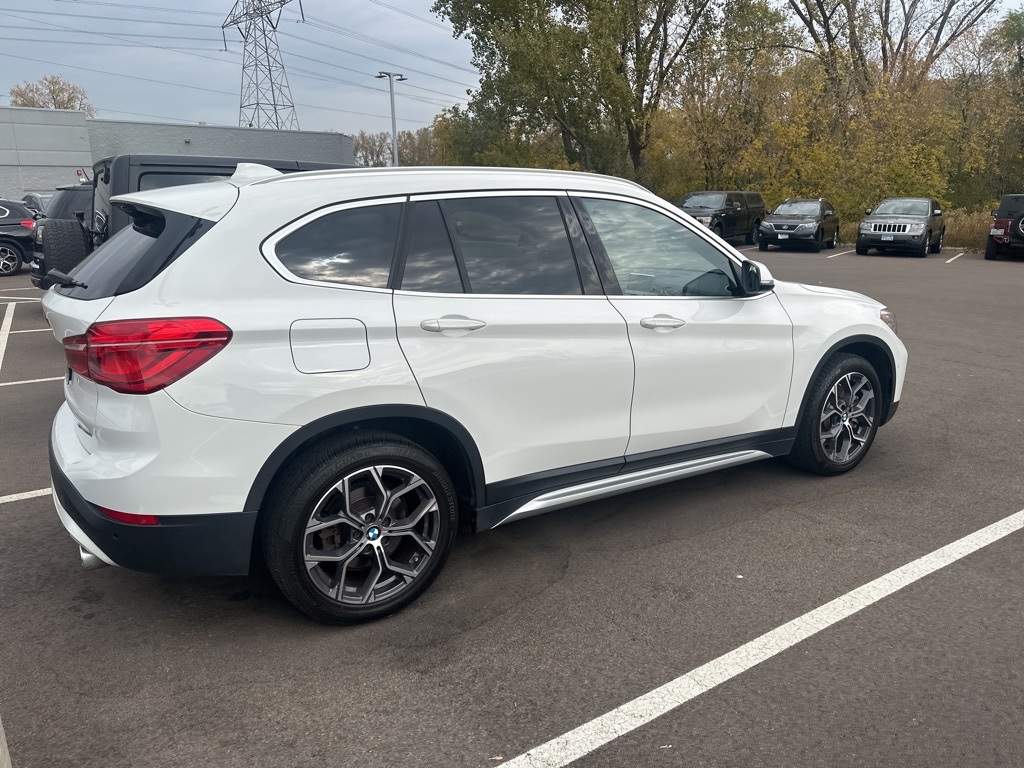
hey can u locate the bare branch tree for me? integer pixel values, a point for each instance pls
(51, 92)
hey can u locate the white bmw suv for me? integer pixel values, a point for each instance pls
(332, 370)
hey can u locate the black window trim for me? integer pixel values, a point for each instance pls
(402, 258)
(604, 264)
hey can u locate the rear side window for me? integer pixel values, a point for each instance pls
(136, 254)
(513, 245)
(354, 246)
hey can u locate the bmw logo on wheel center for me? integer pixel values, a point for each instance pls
(373, 533)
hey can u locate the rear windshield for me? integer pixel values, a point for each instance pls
(136, 254)
(1011, 206)
(66, 201)
(12, 210)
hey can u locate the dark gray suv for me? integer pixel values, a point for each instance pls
(912, 224)
(809, 222)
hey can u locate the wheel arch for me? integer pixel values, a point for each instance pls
(4, 240)
(872, 349)
(436, 432)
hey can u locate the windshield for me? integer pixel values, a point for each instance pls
(799, 208)
(703, 200)
(66, 201)
(904, 207)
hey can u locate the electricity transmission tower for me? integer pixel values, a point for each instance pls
(266, 100)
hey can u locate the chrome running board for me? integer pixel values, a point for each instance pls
(609, 486)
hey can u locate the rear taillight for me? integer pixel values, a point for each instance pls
(137, 357)
(29, 224)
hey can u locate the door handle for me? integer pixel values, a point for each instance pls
(662, 323)
(452, 323)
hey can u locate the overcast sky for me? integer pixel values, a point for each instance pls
(330, 60)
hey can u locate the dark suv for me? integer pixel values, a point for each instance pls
(799, 221)
(60, 214)
(912, 224)
(728, 214)
(64, 244)
(16, 225)
(1007, 232)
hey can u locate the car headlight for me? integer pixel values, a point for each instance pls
(807, 227)
(765, 227)
(705, 220)
(865, 226)
(888, 317)
(915, 229)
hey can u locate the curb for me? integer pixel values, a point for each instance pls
(5, 755)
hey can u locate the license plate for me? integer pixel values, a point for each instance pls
(997, 232)
(783, 237)
(886, 237)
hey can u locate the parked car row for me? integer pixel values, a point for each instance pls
(900, 224)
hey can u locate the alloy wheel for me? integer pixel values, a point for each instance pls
(9, 260)
(847, 418)
(371, 535)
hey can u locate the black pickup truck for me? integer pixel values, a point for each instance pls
(727, 214)
(64, 243)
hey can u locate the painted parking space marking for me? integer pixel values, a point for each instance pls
(30, 381)
(841, 253)
(25, 495)
(5, 331)
(950, 261)
(32, 330)
(19, 299)
(12, 290)
(626, 718)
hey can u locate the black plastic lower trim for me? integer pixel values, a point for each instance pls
(891, 412)
(216, 545)
(507, 496)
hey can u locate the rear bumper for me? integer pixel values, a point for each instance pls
(219, 544)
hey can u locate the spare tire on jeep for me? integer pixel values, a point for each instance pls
(65, 245)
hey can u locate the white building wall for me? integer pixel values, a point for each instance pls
(41, 149)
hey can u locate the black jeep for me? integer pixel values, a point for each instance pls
(1007, 232)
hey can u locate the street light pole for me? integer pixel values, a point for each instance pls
(392, 76)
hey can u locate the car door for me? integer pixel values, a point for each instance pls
(711, 365)
(734, 219)
(830, 220)
(506, 335)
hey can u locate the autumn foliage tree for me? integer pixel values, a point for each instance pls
(51, 92)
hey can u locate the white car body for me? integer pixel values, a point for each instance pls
(562, 398)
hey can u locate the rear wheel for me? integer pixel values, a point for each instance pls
(65, 245)
(358, 528)
(991, 250)
(11, 258)
(752, 234)
(840, 418)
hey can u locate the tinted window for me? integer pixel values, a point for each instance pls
(160, 180)
(136, 254)
(798, 208)
(430, 264)
(513, 245)
(354, 247)
(904, 207)
(653, 255)
(12, 210)
(66, 201)
(703, 200)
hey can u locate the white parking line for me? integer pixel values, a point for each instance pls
(948, 261)
(25, 495)
(843, 253)
(19, 298)
(586, 738)
(29, 381)
(23, 289)
(32, 330)
(5, 331)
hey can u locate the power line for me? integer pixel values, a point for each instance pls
(412, 15)
(107, 18)
(142, 7)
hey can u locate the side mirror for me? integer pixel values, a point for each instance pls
(736, 206)
(937, 212)
(767, 211)
(829, 213)
(750, 278)
(867, 211)
(994, 214)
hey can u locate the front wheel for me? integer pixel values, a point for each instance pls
(762, 245)
(819, 238)
(752, 234)
(835, 239)
(840, 417)
(936, 247)
(922, 250)
(358, 528)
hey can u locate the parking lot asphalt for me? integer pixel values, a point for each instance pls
(541, 626)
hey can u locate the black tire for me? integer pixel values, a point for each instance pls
(762, 245)
(991, 250)
(936, 247)
(719, 230)
(862, 250)
(835, 239)
(752, 234)
(921, 251)
(819, 237)
(12, 257)
(309, 489)
(811, 450)
(65, 245)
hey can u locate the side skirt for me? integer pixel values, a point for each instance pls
(633, 473)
